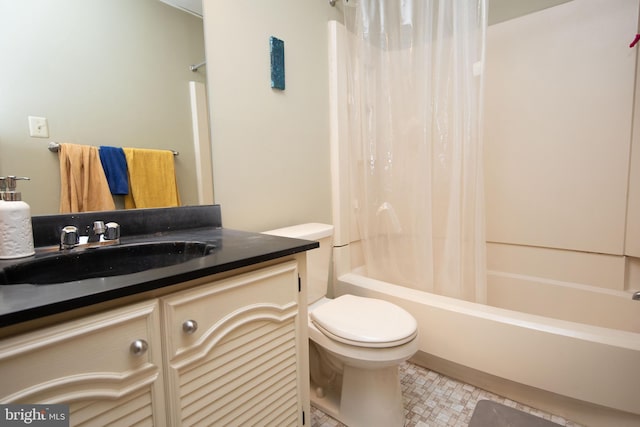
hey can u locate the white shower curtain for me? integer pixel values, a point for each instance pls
(415, 85)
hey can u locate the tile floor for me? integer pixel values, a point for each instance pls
(433, 400)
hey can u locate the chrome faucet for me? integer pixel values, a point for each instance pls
(636, 296)
(99, 234)
(94, 233)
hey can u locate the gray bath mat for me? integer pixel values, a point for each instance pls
(491, 414)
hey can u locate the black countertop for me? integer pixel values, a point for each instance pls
(234, 249)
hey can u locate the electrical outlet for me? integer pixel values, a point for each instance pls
(38, 127)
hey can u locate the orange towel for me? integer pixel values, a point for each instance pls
(83, 185)
(152, 179)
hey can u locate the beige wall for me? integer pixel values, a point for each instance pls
(632, 241)
(559, 111)
(270, 148)
(103, 72)
(503, 10)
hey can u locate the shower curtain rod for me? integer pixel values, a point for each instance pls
(54, 147)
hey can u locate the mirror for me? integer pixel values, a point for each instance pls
(102, 72)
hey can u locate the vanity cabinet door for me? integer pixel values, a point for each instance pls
(106, 367)
(232, 350)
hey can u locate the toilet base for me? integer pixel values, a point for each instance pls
(370, 397)
(329, 403)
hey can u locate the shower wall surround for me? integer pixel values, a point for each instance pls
(558, 136)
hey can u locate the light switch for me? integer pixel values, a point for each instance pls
(38, 127)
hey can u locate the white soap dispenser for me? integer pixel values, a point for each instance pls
(16, 234)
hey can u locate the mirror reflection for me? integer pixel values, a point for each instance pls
(102, 72)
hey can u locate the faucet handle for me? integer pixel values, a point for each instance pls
(112, 231)
(69, 237)
(98, 227)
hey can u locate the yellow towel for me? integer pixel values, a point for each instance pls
(83, 185)
(152, 179)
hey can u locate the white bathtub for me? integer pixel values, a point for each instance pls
(586, 373)
(571, 350)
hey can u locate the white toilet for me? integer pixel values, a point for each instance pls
(356, 344)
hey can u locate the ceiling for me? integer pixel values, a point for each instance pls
(503, 10)
(499, 10)
(193, 7)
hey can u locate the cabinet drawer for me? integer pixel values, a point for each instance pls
(91, 357)
(198, 315)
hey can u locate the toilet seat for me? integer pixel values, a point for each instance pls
(364, 322)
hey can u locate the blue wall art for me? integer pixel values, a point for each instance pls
(277, 63)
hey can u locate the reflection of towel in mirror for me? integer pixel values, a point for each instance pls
(152, 179)
(83, 186)
(114, 164)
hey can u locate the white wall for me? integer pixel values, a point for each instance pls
(558, 123)
(270, 148)
(103, 72)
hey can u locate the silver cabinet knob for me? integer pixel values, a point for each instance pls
(189, 326)
(139, 347)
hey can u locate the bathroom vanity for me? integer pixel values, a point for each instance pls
(218, 340)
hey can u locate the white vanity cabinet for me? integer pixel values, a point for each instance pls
(107, 367)
(232, 350)
(225, 350)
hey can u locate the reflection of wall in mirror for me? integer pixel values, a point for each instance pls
(103, 72)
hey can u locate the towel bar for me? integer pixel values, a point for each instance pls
(195, 67)
(55, 147)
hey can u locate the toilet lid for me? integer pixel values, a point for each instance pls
(365, 322)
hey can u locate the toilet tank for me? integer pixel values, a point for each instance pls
(317, 259)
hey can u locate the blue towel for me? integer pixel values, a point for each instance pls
(114, 164)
